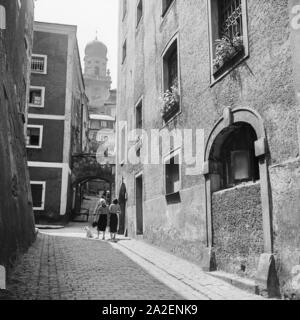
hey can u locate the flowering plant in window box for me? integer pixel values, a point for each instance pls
(170, 102)
(226, 50)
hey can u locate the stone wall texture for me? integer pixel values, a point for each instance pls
(16, 216)
(238, 233)
(264, 82)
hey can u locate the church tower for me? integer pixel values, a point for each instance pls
(97, 77)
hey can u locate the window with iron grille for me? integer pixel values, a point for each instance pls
(228, 35)
(230, 18)
(39, 64)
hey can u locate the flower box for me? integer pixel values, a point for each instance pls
(170, 103)
(228, 53)
(171, 112)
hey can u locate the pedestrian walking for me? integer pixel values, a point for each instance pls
(103, 212)
(114, 212)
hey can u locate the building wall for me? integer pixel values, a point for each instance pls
(52, 144)
(53, 179)
(16, 216)
(263, 82)
(64, 117)
(55, 46)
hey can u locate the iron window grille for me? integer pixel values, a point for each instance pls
(231, 22)
(39, 64)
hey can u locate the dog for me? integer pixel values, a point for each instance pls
(88, 231)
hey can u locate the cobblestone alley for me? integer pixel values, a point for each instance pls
(64, 265)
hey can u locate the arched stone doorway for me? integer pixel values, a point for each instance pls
(226, 151)
(86, 192)
(85, 168)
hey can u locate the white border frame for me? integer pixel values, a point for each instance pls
(168, 157)
(43, 183)
(30, 105)
(41, 136)
(45, 63)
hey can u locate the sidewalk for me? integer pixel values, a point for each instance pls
(180, 275)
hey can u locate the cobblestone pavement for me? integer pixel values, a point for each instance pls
(63, 264)
(66, 268)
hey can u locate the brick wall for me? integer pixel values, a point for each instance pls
(16, 216)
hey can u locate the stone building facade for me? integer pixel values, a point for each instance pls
(58, 118)
(225, 194)
(102, 101)
(102, 108)
(16, 217)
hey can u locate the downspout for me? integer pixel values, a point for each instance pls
(294, 13)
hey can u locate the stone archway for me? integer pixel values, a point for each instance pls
(253, 119)
(85, 167)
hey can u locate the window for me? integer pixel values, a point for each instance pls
(230, 18)
(233, 158)
(171, 66)
(39, 64)
(171, 86)
(104, 124)
(97, 71)
(228, 35)
(34, 136)
(172, 174)
(2, 18)
(124, 51)
(37, 97)
(139, 115)
(165, 6)
(139, 12)
(38, 191)
(124, 8)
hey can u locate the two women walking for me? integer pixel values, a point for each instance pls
(107, 216)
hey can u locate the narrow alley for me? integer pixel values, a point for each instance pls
(64, 265)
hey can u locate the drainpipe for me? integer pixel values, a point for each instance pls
(294, 12)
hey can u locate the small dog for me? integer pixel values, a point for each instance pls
(88, 231)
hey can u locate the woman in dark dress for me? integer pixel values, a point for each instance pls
(114, 211)
(102, 220)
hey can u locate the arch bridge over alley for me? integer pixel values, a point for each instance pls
(86, 168)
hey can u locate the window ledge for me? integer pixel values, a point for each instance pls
(229, 67)
(173, 198)
(239, 186)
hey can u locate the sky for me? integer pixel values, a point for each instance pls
(89, 16)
